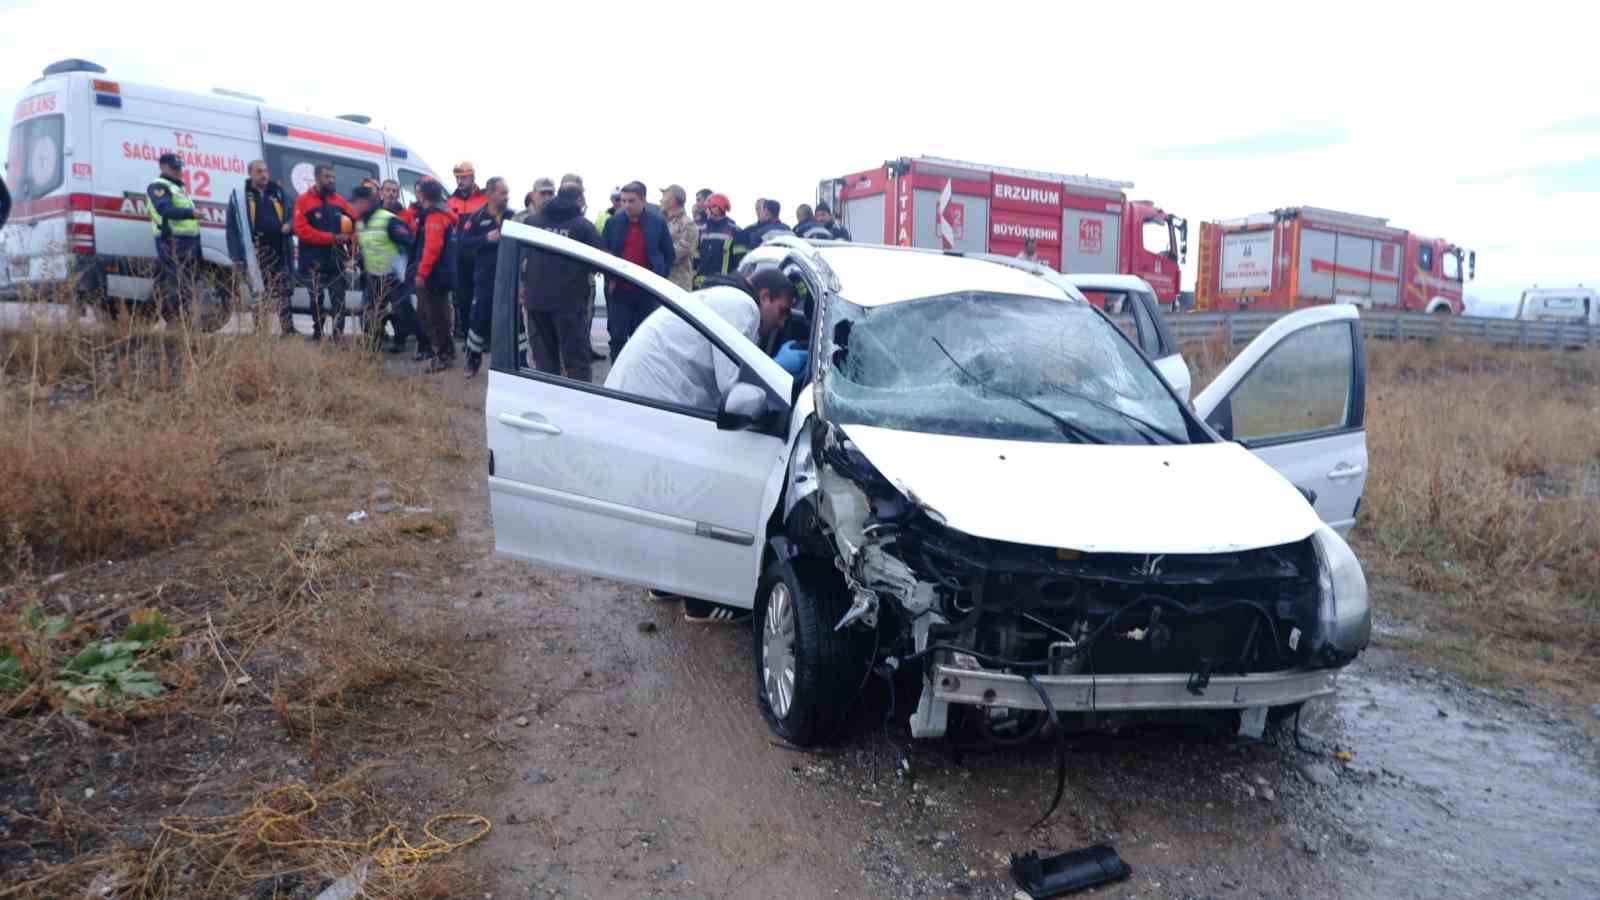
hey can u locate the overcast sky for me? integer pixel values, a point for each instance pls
(1479, 127)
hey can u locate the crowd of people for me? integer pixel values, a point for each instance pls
(427, 268)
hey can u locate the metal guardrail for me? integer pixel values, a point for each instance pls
(1239, 328)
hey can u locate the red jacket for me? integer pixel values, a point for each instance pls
(433, 238)
(316, 221)
(466, 206)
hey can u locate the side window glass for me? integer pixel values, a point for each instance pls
(296, 170)
(1302, 386)
(408, 186)
(1452, 266)
(1123, 310)
(1157, 236)
(1425, 259)
(1149, 340)
(656, 356)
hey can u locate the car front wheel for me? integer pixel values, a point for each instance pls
(806, 672)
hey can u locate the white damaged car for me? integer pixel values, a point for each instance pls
(980, 480)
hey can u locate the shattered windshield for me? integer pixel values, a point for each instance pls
(989, 365)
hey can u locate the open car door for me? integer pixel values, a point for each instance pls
(669, 492)
(1296, 397)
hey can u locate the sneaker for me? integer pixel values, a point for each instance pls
(441, 364)
(474, 361)
(314, 338)
(706, 612)
(423, 355)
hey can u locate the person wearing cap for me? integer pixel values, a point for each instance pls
(716, 240)
(685, 236)
(543, 190)
(825, 215)
(325, 226)
(175, 225)
(572, 178)
(435, 274)
(480, 248)
(806, 225)
(466, 200)
(639, 235)
(606, 214)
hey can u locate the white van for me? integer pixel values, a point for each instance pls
(1579, 305)
(84, 148)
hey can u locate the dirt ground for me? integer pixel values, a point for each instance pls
(618, 752)
(645, 769)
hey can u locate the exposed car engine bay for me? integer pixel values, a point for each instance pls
(938, 595)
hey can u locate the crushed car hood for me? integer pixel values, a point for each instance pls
(1098, 498)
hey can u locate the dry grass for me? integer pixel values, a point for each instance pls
(1481, 516)
(194, 462)
(1483, 508)
(120, 439)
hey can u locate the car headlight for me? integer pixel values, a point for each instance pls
(1344, 616)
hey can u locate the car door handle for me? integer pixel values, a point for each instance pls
(524, 424)
(1345, 470)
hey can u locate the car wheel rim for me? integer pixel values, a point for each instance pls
(777, 650)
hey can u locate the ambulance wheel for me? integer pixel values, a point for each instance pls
(215, 297)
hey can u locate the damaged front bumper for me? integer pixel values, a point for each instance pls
(1105, 693)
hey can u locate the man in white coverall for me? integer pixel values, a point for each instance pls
(668, 360)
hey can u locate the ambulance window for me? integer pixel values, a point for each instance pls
(1452, 266)
(34, 166)
(408, 185)
(296, 170)
(1425, 259)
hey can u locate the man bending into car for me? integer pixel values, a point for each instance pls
(667, 359)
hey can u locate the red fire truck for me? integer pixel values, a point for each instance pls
(1303, 255)
(1078, 223)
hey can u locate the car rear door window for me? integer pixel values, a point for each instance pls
(1303, 386)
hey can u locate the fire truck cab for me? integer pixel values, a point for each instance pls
(1078, 223)
(1303, 255)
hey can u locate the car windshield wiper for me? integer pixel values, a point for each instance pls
(1147, 427)
(1067, 426)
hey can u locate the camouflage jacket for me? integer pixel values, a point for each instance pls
(685, 239)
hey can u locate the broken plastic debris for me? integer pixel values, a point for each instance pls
(348, 887)
(1344, 756)
(1065, 873)
(356, 517)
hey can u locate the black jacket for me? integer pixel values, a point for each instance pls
(812, 230)
(556, 284)
(477, 250)
(268, 212)
(751, 238)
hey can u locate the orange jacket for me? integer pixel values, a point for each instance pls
(435, 231)
(464, 206)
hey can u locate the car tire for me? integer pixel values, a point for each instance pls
(797, 606)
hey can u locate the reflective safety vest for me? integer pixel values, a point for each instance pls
(378, 250)
(177, 227)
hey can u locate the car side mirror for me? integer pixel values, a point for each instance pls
(742, 407)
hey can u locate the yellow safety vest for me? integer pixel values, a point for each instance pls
(177, 227)
(378, 250)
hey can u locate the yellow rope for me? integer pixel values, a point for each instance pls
(399, 861)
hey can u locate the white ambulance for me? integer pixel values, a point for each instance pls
(84, 148)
